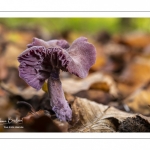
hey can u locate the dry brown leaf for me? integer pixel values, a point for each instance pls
(134, 76)
(63, 126)
(42, 122)
(100, 85)
(140, 102)
(117, 56)
(126, 89)
(73, 86)
(113, 49)
(95, 95)
(92, 117)
(137, 40)
(137, 72)
(100, 58)
(27, 93)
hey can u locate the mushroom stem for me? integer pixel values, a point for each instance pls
(57, 99)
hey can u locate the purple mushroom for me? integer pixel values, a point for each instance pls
(43, 60)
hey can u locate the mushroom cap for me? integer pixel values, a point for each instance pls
(51, 43)
(83, 56)
(42, 58)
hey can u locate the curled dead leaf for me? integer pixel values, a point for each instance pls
(95, 78)
(92, 117)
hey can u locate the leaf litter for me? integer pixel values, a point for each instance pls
(114, 97)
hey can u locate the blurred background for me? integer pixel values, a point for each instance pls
(119, 78)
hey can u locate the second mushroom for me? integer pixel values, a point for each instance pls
(43, 60)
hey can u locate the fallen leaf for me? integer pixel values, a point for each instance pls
(137, 40)
(140, 102)
(90, 81)
(137, 72)
(92, 117)
(100, 85)
(63, 126)
(134, 75)
(117, 57)
(95, 95)
(41, 121)
(100, 58)
(27, 93)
